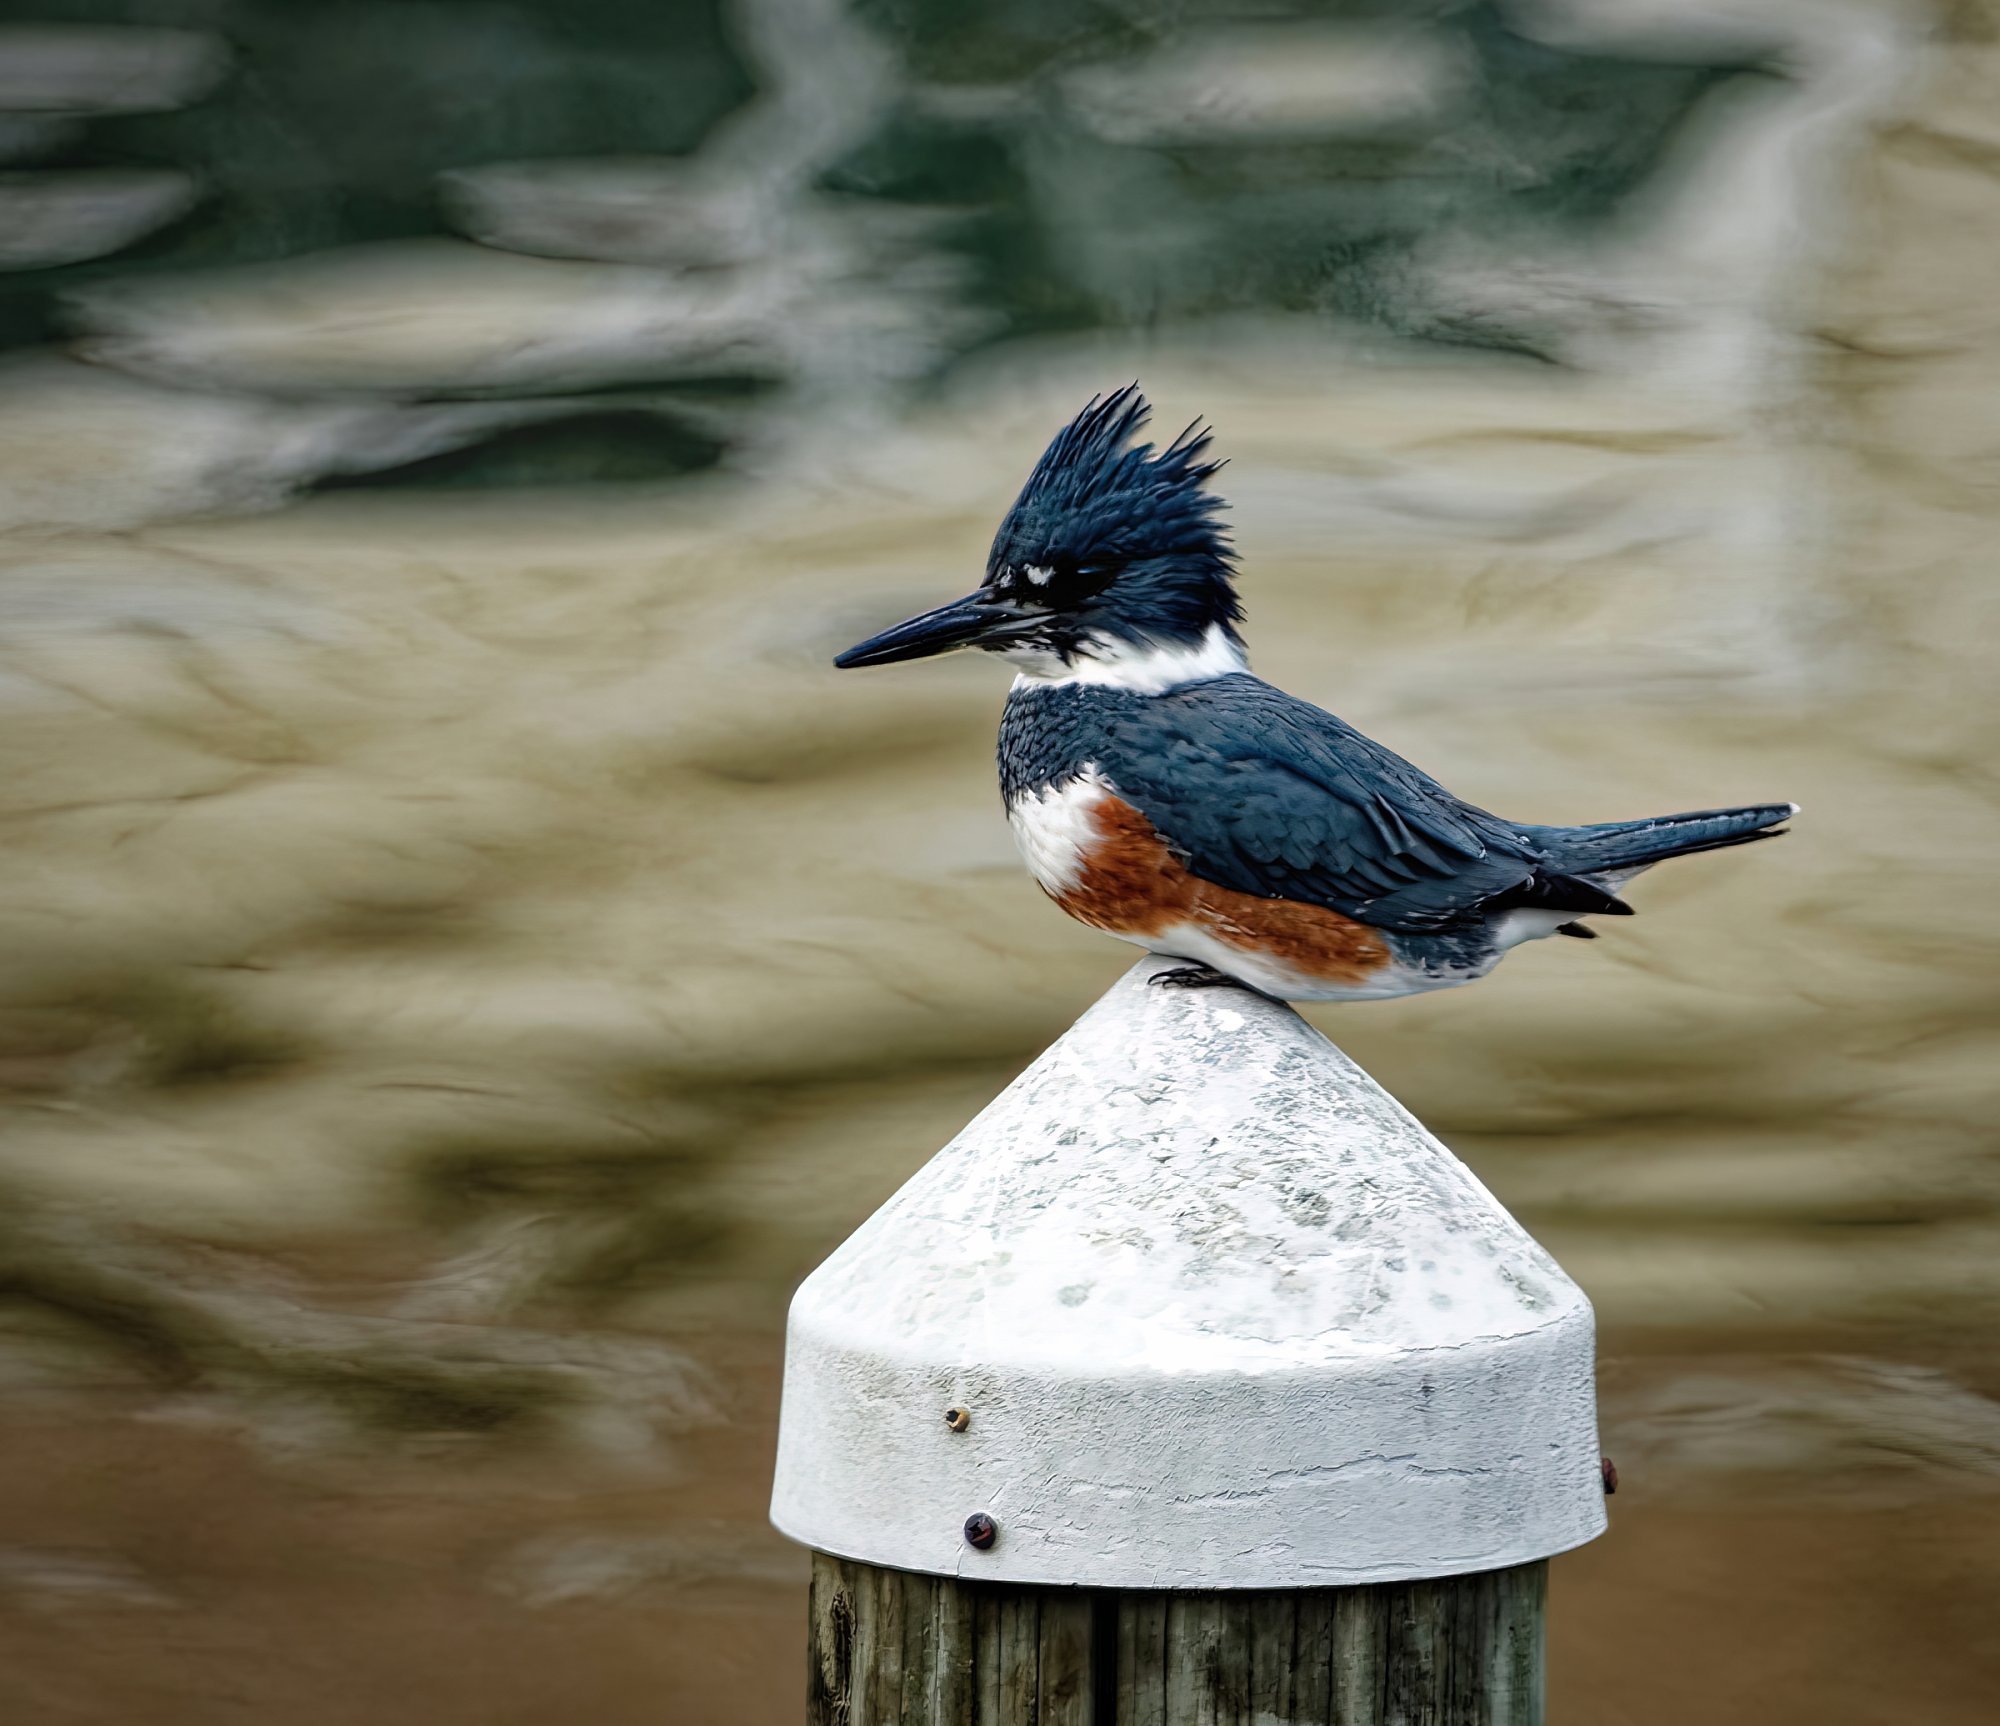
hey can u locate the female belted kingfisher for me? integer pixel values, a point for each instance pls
(1162, 793)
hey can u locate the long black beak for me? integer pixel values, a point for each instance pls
(958, 624)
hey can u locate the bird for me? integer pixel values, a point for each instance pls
(1160, 791)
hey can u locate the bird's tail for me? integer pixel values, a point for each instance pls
(1617, 850)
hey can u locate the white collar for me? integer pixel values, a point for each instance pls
(1145, 667)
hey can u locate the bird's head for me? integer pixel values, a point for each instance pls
(1111, 557)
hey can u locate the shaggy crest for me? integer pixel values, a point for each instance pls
(1105, 529)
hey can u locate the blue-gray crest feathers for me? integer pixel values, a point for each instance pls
(1131, 535)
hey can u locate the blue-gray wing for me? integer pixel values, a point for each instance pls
(1266, 794)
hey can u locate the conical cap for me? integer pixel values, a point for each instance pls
(1219, 1312)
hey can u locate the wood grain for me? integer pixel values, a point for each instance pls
(892, 1648)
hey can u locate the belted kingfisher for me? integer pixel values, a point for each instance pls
(1161, 792)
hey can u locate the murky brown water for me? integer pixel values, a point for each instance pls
(468, 955)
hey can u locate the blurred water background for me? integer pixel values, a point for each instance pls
(466, 954)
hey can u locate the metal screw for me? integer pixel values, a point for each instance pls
(981, 1531)
(957, 1419)
(1609, 1470)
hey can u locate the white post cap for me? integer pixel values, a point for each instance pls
(1219, 1314)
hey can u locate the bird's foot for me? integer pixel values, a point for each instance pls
(1196, 977)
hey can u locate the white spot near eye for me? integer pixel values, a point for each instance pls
(1040, 574)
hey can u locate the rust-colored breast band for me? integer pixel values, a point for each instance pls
(1130, 883)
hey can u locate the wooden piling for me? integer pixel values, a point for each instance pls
(895, 1648)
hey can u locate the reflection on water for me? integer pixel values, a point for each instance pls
(468, 955)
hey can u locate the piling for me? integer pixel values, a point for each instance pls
(1193, 1382)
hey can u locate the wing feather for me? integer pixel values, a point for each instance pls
(1266, 794)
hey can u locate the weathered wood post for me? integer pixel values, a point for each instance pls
(1193, 1382)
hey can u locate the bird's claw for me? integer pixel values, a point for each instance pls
(1195, 977)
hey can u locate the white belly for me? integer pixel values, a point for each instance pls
(1286, 983)
(1054, 827)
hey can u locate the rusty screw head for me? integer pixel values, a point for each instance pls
(1610, 1472)
(981, 1531)
(957, 1419)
